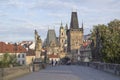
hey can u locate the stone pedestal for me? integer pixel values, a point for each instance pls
(37, 64)
(37, 54)
(36, 67)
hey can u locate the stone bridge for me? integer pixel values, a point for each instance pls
(69, 72)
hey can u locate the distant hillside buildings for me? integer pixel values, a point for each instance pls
(69, 41)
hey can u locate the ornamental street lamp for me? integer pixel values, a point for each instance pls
(45, 54)
(45, 58)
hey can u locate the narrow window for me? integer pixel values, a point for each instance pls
(23, 56)
(18, 55)
(23, 62)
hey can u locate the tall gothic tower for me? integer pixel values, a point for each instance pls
(62, 37)
(74, 34)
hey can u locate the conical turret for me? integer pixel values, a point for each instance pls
(82, 27)
(66, 27)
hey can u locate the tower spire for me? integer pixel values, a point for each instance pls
(66, 27)
(82, 24)
(74, 21)
(61, 23)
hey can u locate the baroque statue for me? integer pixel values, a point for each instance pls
(38, 42)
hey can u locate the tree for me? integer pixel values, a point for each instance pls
(5, 60)
(8, 60)
(114, 28)
(110, 41)
(13, 60)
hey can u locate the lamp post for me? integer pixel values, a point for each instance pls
(45, 56)
(78, 55)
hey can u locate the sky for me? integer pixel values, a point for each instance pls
(19, 18)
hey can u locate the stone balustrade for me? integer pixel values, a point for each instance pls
(10, 73)
(107, 67)
(14, 72)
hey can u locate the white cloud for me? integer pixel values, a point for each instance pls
(57, 14)
(41, 14)
(21, 20)
(3, 14)
(54, 4)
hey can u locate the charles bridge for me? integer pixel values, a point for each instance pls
(76, 71)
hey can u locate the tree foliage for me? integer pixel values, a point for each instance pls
(110, 41)
(8, 60)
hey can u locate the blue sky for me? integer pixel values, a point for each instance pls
(19, 18)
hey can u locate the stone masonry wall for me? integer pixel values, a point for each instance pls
(11, 73)
(107, 67)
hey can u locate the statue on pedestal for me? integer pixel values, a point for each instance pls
(38, 45)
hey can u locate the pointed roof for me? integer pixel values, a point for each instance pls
(74, 21)
(82, 26)
(61, 26)
(66, 27)
(51, 36)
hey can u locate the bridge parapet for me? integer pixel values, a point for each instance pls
(11, 73)
(107, 67)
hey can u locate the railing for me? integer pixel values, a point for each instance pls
(10, 73)
(107, 67)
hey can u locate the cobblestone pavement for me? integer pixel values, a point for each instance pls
(69, 73)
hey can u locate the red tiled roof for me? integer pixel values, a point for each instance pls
(53, 56)
(30, 52)
(11, 48)
(85, 44)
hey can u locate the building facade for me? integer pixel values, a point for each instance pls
(13, 49)
(85, 54)
(69, 40)
(52, 43)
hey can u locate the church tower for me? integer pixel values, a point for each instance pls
(62, 37)
(74, 34)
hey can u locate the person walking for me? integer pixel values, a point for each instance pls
(54, 62)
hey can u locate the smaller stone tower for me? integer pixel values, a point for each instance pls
(62, 38)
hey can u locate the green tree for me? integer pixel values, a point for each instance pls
(8, 60)
(13, 60)
(114, 28)
(5, 60)
(110, 41)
